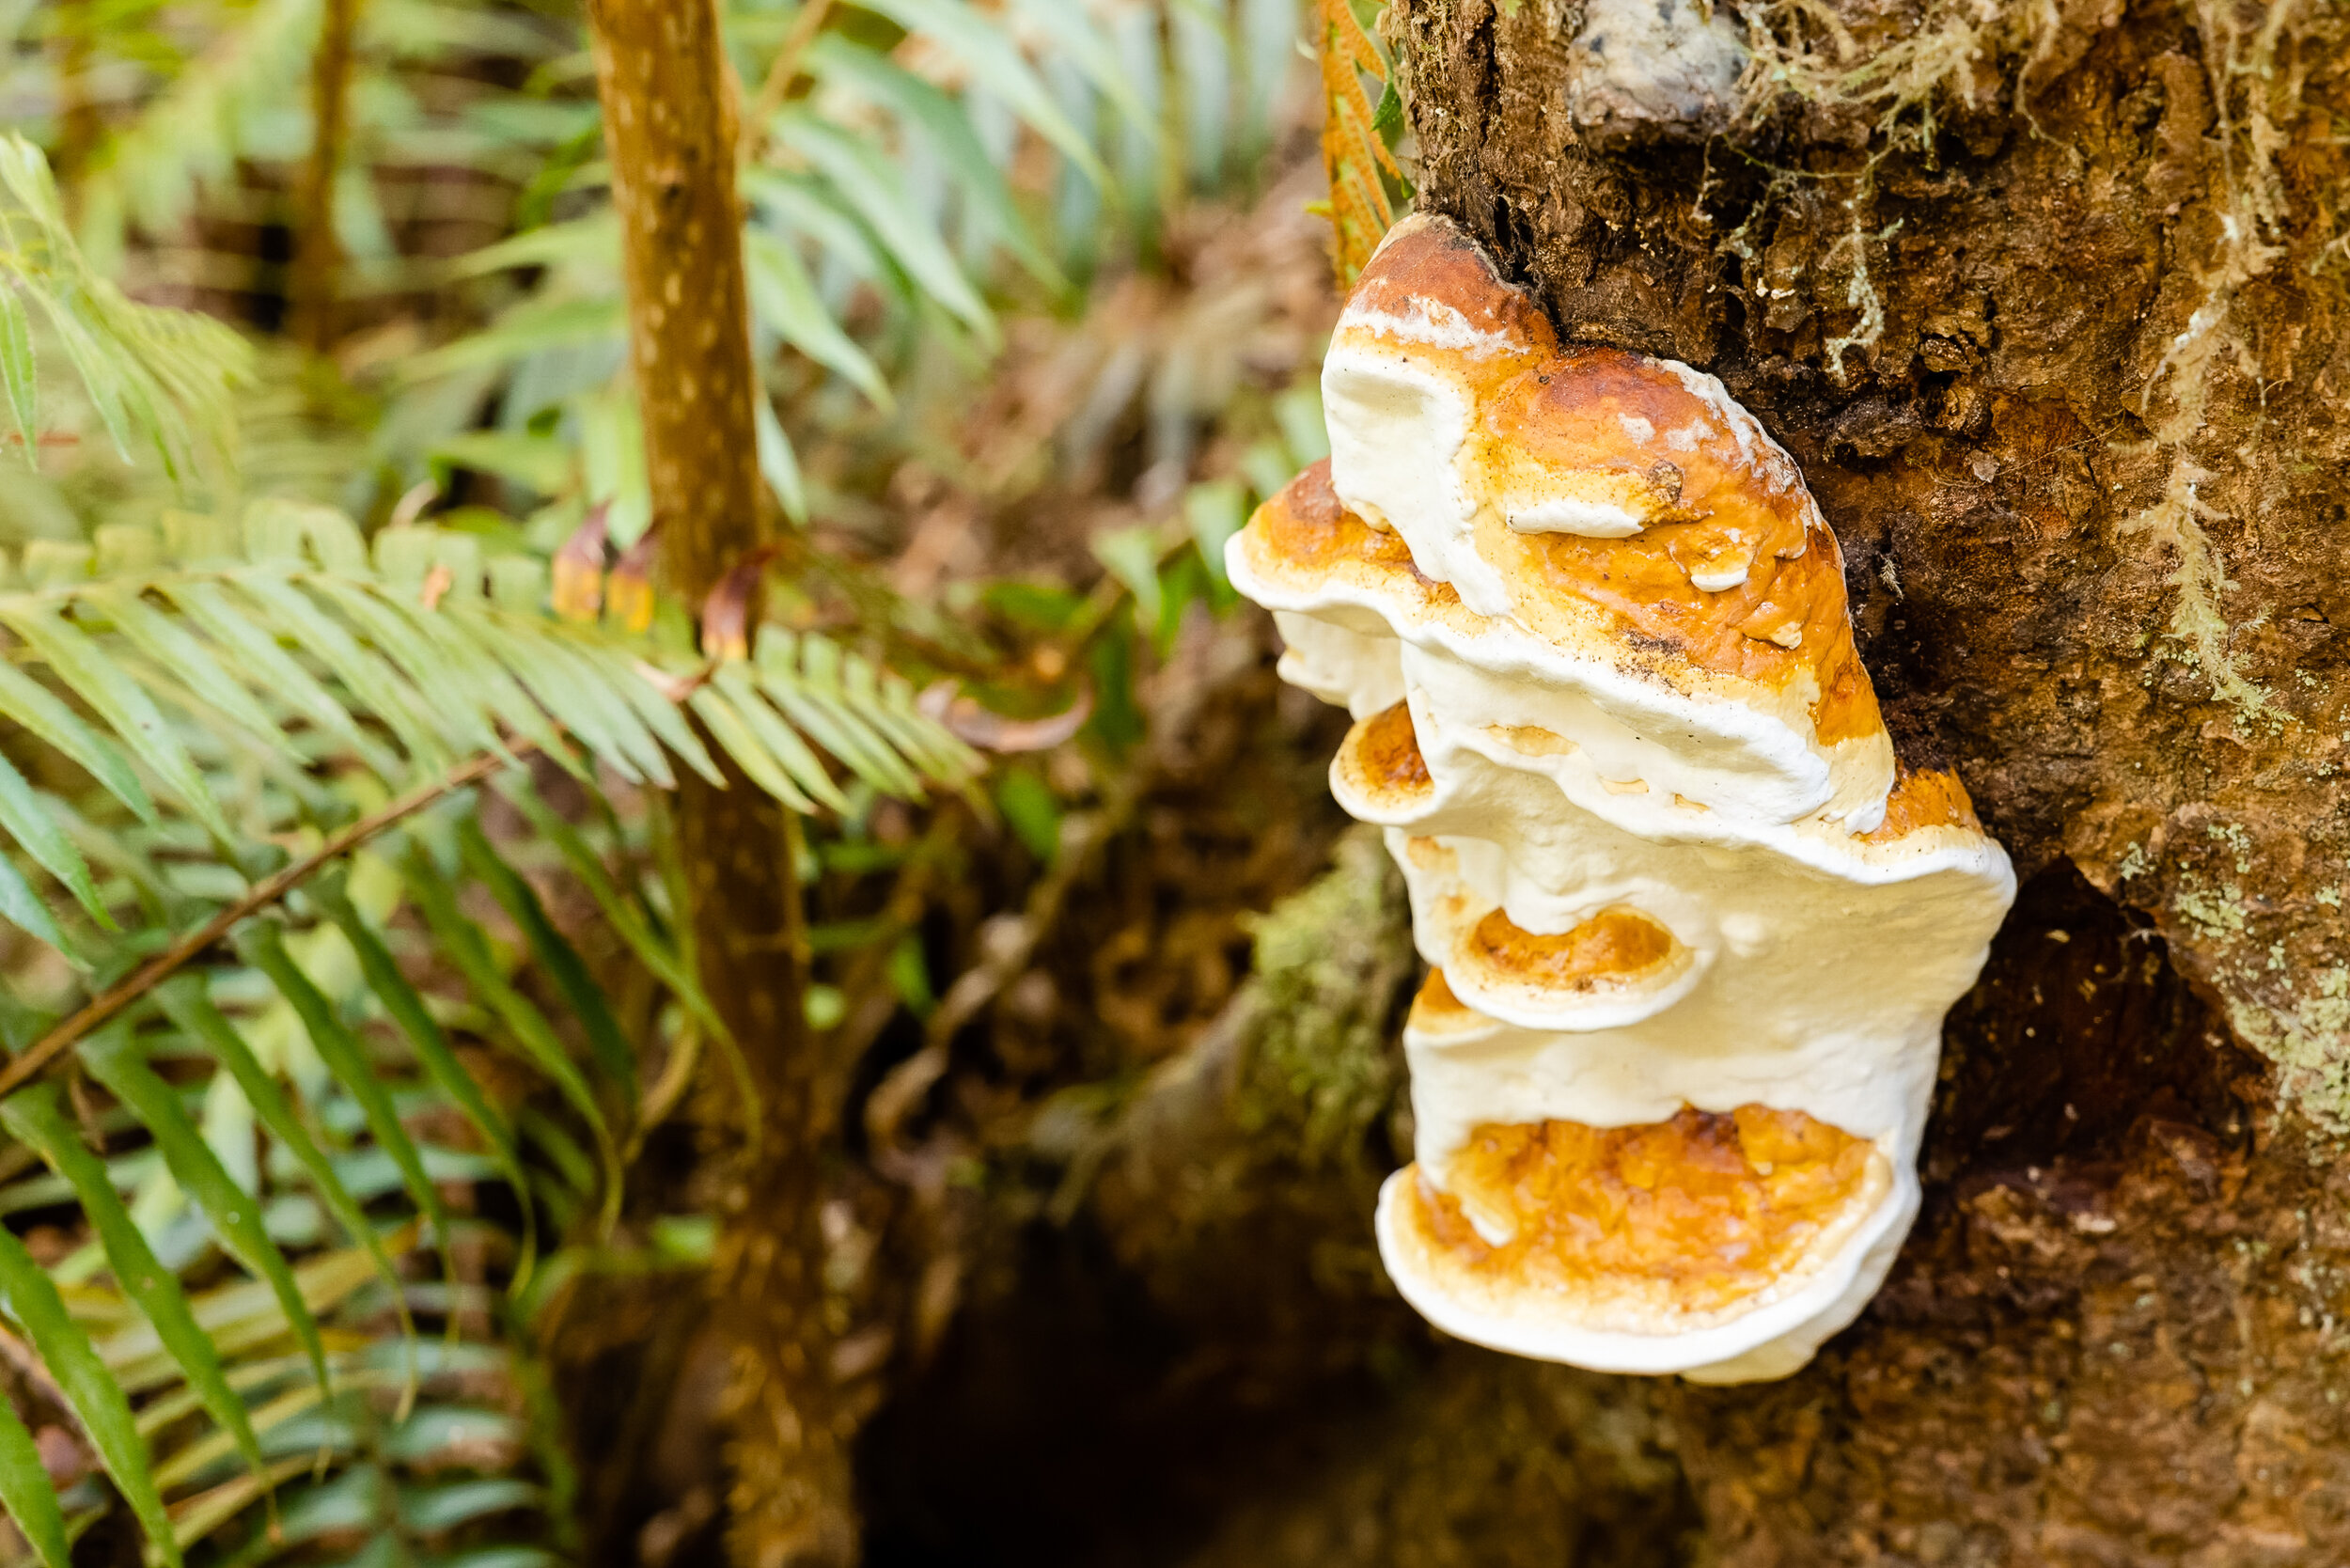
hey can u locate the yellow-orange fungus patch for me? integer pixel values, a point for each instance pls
(1436, 1000)
(1383, 755)
(1925, 798)
(1691, 1216)
(1305, 528)
(1615, 945)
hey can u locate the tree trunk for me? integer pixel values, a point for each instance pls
(2048, 303)
(668, 98)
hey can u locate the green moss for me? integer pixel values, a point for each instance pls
(1331, 962)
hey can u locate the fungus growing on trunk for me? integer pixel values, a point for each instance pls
(1693, 927)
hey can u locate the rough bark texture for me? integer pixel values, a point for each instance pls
(668, 123)
(2082, 441)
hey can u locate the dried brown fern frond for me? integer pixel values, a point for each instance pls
(1353, 152)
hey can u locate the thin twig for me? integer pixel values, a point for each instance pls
(147, 975)
(784, 71)
(1006, 951)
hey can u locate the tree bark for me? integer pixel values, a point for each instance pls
(667, 99)
(2067, 384)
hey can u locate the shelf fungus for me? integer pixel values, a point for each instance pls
(1693, 927)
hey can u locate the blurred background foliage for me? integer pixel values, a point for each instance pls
(358, 1072)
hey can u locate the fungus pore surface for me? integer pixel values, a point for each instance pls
(1693, 926)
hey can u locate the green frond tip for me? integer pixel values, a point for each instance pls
(155, 377)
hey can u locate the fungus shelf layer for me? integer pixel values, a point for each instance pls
(1695, 925)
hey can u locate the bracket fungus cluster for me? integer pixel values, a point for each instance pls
(1693, 927)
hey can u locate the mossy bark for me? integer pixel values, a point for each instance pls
(2066, 380)
(670, 124)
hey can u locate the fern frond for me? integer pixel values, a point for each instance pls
(153, 376)
(190, 135)
(1354, 154)
(411, 644)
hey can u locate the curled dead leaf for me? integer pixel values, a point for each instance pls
(628, 591)
(579, 568)
(674, 688)
(726, 613)
(989, 730)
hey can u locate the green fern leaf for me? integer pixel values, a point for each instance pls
(557, 680)
(657, 713)
(606, 1042)
(377, 685)
(407, 1009)
(459, 693)
(779, 738)
(729, 725)
(876, 191)
(33, 1301)
(96, 679)
(666, 964)
(785, 299)
(263, 944)
(235, 1216)
(24, 1489)
(33, 706)
(984, 46)
(170, 645)
(191, 1010)
(30, 824)
(19, 371)
(808, 697)
(32, 1115)
(245, 639)
(463, 943)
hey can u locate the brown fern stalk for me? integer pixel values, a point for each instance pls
(669, 114)
(110, 1002)
(317, 280)
(1352, 154)
(80, 125)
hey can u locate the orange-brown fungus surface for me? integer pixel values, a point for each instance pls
(1437, 1012)
(1704, 1210)
(1927, 798)
(1382, 755)
(1436, 261)
(1623, 423)
(1614, 945)
(1618, 427)
(1435, 998)
(1306, 529)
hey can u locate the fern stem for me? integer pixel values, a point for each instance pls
(317, 253)
(670, 124)
(784, 72)
(124, 993)
(80, 125)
